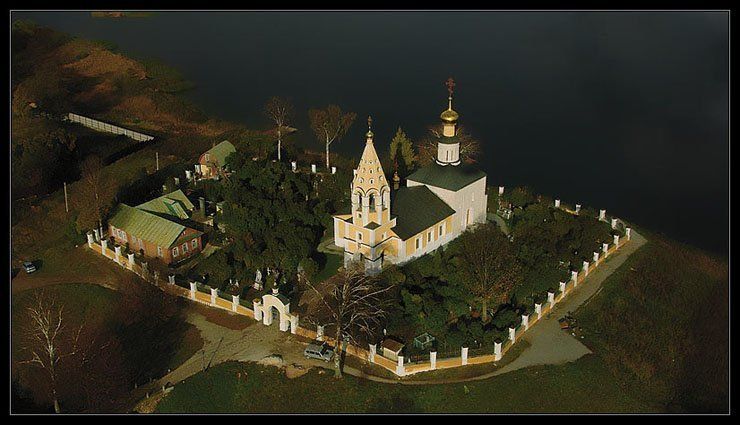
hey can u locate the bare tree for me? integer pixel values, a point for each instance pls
(280, 111)
(48, 340)
(353, 304)
(488, 265)
(96, 190)
(469, 146)
(330, 124)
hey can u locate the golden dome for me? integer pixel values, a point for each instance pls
(449, 116)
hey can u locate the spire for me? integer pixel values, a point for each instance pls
(369, 133)
(449, 116)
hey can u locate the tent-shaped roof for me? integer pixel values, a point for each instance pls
(147, 226)
(175, 204)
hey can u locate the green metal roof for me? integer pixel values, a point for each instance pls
(175, 204)
(417, 208)
(450, 177)
(451, 140)
(219, 152)
(147, 226)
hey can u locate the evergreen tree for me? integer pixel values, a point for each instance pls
(402, 148)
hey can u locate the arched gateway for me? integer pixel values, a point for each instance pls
(266, 308)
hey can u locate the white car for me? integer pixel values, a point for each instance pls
(318, 351)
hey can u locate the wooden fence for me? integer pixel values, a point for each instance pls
(108, 128)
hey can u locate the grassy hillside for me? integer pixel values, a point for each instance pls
(247, 387)
(660, 324)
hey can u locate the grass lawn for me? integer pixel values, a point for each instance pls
(333, 262)
(584, 386)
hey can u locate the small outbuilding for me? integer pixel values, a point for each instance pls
(391, 348)
(213, 160)
(424, 341)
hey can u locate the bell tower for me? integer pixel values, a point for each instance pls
(371, 194)
(448, 147)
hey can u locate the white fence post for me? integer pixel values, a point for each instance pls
(293, 323)
(525, 321)
(257, 305)
(605, 249)
(628, 232)
(578, 208)
(464, 355)
(538, 310)
(574, 277)
(512, 335)
(557, 203)
(171, 279)
(562, 289)
(585, 268)
(616, 241)
(333, 170)
(293, 166)
(234, 303)
(596, 257)
(131, 261)
(500, 190)
(497, 351)
(90, 239)
(433, 359)
(214, 295)
(614, 223)
(551, 299)
(371, 355)
(320, 333)
(602, 215)
(192, 290)
(104, 245)
(400, 370)
(313, 168)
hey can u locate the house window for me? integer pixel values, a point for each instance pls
(159, 250)
(122, 235)
(418, 243)
(195, 243)
(429, 236)
(175, 252)
(184, 248)
(441, 229)
(208, 157)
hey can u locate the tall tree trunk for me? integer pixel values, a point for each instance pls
(484, 307)
(327, 155)
(279, 143)
(338, 354)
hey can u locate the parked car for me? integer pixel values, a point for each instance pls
(29, 267)
(318, 351)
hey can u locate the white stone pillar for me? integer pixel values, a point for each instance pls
(192, 290)
(371, 355)
(585, 268)
(602, 215)
(433, 359)
(614, 223)
(538, 310)
(293, 166)
(294, 323)
(284, 323)
(497, 351)
(257, 305)
(616, 241)
(234, 303)
(500, 190)
(605, 249)
(313, 168)
(379, 208)
(177, 181)
(562, 289)
(96, 232)
(104, 245)
(551, 298)
(400, 370)
(189, 175)
(628, 232)
(464, 355)
(171, 279)
(557, 203)
(578, 208)
(512, 335)
(574, 277)
(365, 210)
(214, 295)
(525, 321)
(320, 333)
(333, 170)
(90, 239)
(131, 261)
(596, 257)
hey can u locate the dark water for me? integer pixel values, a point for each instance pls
(624, 111)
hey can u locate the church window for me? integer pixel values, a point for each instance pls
(448, 155)
(418, 243)
(429, 236)
(380, 178)
(371, 171)
(359, 236)
(441, 229)
(372, 181)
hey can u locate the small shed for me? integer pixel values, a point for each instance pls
(424, 341)
(391, 348)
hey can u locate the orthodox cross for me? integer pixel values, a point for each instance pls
(450, 85)
(369, 122)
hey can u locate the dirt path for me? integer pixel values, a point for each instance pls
(548, 343)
